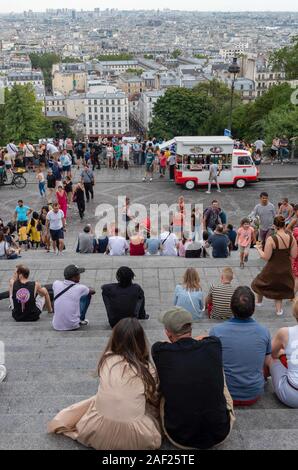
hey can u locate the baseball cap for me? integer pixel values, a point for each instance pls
(72, 270)
(175, 318)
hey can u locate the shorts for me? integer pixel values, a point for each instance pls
(66, 168)
(7, 166)
(149, 168)
(244, 249)
(213, 178)
(57, 235)
(125, 158)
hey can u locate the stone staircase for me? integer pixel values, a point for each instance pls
(49, 370)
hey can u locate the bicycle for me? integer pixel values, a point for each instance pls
(15, 178)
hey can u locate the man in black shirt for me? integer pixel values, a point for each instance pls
(196, 409)
(124, 299)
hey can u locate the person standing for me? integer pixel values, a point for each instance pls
(29, 153)
(62, 200)
(171, 159)
(126, 147)
(259, 145)
(66, 161)
(21, 213)
(67, 184)
(41, 182)
(87, 179)
(162, 164)
(55, 224)
(245, 237)
(265, 211)
(79, 199)
(214, 172)
(51, 184)
(150, 157)
(276, 280)
(12, 150)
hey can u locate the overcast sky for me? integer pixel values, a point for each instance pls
(211, 5)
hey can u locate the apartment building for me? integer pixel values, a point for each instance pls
(106, 113)
(131, 84)
(146, 106)
(35, 77)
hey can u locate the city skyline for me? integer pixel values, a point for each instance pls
(213, 5)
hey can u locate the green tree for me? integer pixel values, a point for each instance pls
(23, 117)
(148, 56)
(176, 53)
(286, 59)
(180, 112)
(121, 56)
(281, 121)
(45, 62)
(133, 71)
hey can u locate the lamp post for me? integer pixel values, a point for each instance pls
(233, 69)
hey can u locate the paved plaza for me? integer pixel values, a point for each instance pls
(49, 370)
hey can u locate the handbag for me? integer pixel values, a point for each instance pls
(191, 301)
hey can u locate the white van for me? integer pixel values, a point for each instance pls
(194, 155)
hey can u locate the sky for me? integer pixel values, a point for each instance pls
(211, 5)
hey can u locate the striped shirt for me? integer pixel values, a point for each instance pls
(221, 300)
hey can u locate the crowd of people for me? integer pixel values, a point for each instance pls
(189, 389)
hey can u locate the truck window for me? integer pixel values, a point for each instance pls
(246, 160)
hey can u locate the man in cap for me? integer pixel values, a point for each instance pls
(196, 408)
(71, 300)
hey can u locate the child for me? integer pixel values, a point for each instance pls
(162, 164)
(34, 230)
(23, 237)
(245, 236)
(41, 182)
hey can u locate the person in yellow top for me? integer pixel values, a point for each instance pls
(34, 230)
(23, 236)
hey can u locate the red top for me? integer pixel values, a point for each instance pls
(136, 250)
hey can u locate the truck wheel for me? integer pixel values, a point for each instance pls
(190, 184)
(240, 184)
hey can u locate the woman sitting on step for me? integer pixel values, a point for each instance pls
(124, 412)
(284, 365)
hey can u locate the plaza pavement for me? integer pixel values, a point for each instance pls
(48, 370)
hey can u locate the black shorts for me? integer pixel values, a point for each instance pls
(57, 235)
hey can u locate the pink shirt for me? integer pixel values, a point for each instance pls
(245, 236)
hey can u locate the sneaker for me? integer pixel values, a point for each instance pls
(245, 258)
(218, 190)
(144, 179)
(84, 322)
(3, 373)
(208, 192)
(280, 313)
(259, 304)
(150, 179)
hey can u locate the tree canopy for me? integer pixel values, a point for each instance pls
(45, 62)
(286, 59)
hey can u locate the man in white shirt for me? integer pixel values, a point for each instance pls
(55, 223)
(71, 300)
(213, 174)
(259, 145)
(117, 246)
(28, 154)
(53, 151)
(126, 153)
(12, 150)
(168, 243)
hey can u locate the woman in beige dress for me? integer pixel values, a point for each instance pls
(124, 412)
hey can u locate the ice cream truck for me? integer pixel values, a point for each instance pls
(195, 154)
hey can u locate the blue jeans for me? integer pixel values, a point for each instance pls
(41, 187)
(84, 305)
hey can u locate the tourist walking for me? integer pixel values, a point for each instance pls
(79, 199)
(214, 172)
(276, 280)
(87, 178)
(62, 200)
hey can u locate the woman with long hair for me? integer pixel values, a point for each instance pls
(189, 295)
(123, 415)
(45, 239)
(62, 199)
(276, 280)
(79, 199)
